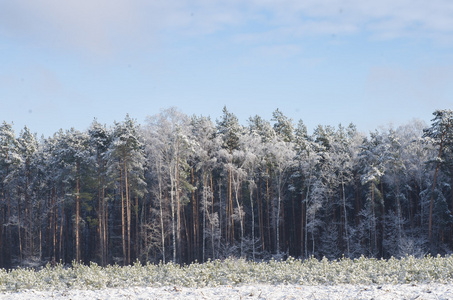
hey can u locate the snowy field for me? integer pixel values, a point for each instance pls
(362, 278)
(404, 291)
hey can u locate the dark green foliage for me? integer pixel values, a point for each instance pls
(187, 189)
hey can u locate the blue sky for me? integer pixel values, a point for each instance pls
(372, 63)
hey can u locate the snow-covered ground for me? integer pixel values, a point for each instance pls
(362, 278)
(415, 291)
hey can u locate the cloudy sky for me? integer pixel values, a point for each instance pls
(372, 63)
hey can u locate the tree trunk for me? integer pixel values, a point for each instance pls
(302, 224)
(259, 201)
(306, 217)
(373, 239)
(26, 224)
(128, 212)
(220, 212)
(205, 201)
(123, 219)
(19, 230)
(178, 210)
(78, 212)
(53, 223)
(241, 221)
(106, 228)
(277, 229)
(195, 224)
(39, 232)
(345, 218)
(212, 214)
(431, 202)
(60, 250)
(100, 214)
(173, 225)
(161, 215)
(136, 240)
(253, 219)
(230, 227)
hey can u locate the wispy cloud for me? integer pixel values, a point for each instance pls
(80, 24)
(383, 19)
(101, 26)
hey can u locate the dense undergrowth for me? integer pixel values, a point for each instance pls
(233, 272)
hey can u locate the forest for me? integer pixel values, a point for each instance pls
(186, 189)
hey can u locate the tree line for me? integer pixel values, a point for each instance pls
(184, 188)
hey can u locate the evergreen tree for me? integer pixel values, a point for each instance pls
(229, 130)
(126, 158)
(100, 139)
(27, 146)
(441, 135)
(7, 157)
(206, 146)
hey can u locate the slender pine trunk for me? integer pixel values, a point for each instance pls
(123, 219)
(431, 202)
(128, 213)
(77, 239)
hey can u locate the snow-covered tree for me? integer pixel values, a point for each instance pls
(74, 152)
(441, 135)
(229, 131)
(127, 160)
(170, 130)
(206, 146)
(100, 138)
(374, 158)
(281, 152)
(27, 146)
(7, 157)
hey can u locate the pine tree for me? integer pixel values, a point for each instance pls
(229, 131)
(127, 158)
(74, 152)
(100, 139)
(206, 146)
(374, 159)
(7, 157)
(441, 135)
(27, 145)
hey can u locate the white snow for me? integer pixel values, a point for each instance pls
(409, 291)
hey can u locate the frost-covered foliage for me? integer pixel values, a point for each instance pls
(234, 272)
(189, 189)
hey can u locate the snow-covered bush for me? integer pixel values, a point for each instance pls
(233, 272)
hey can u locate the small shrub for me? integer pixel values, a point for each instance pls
(233, 272)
